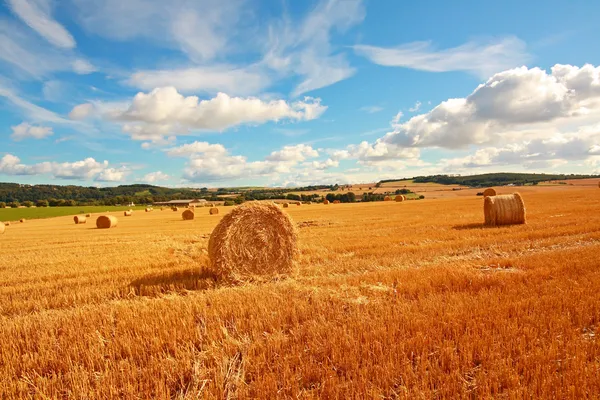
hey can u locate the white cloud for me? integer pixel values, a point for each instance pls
(189, 149)
(297, 153)
(511, 105)
(83, 67)
(371, 109)
(33, 111)
(37, 14)
(82, 111)
(25, 131)
(154, 177)
(112, 175)
(164, 112)
(416, 107)
(213, 79)
(79, 170)
(480, 58)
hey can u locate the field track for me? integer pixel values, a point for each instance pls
(387, 300)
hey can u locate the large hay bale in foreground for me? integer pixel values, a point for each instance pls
(187, 215)
(400, 198)
(285, 205)
(2, 228)
(213, 211)
(506, 209)
(79, 219)
(489, 192)
(106, 221)
(254, 239)
(387, 198)
(127, 213)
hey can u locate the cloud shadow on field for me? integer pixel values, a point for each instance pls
(174, 281)
(477, 225)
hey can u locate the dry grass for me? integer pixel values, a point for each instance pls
(2, 227)
(419, 301)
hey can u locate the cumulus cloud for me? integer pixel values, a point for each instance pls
(85, 169)
(154, 177)
(82, 111)
(511, 105)
(37, 14)
(480, 58)
(295, 153)
(189, 149)
(27, 131)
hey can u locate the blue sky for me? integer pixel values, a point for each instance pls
(284, 93)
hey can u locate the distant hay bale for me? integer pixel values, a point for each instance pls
(506, 209)
(174, 208)
(106, 221)
(88, 215)
(285, 205)
(148, 209)
(127, 213)
(387, 198)
(489, 192)
(2, 228)
(79, 219)
(188, 215)
(400, 198)
(325, 201)
(298, 203)
(213, 211)
(336, 202)
(22, 220)
(210, 205)
(255, 239)
(162, 208)
(7, 223)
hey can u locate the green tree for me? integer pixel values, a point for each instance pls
(28, 203)
(2, 204)
(41, 203)
(14, 204)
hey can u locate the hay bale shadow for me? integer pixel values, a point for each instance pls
(173, 282)
(478, 225)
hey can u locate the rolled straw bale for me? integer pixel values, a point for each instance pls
(106, 221)
(89, 215)
(298, 203)
(326, 202)
(7, 223)
(188, 215)
(387, 198)
(174, 208)
(253, 239)
(505, 209)
(22, 220)
(213, 211)
(210, 205)
(400, 198)
(489, 192)
(79, 219)
(285, 205)
(2, 228)
(336, 202)
(127, 213)
(148, 209)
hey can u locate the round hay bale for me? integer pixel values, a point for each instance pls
(148, 209)
(162, 208)
(79, 219)
(188, 215)
(505, 209)
(213, 211)
(489, 192)
(127, 213)
(7, 223)
(210, 205)
(174, 209)
(298, 203)
(387, 198)
(325, 202)
(400, 198)
(22, 220)
(89, 215)
(336, 202)
(106, 221)
(285, 205)
(2, 228)
(255, 239)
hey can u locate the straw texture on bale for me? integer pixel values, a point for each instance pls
(285, 205)
(400, 198)
(506, 209)
(325, 201)
(255, 239)
(106, 221)
(2, 228)
(213, 211)
(489, 192)
(387, 198)
(336, 202)
(187, 215)
(79, 219)
(127, 213)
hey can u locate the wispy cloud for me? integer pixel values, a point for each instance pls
(37, 14)
(371, 109)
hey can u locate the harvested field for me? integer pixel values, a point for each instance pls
(383, 301)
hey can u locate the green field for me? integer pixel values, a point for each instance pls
(15, 214)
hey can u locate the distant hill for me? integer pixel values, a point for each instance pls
(494, 179)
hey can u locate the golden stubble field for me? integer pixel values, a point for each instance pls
(387, 300)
